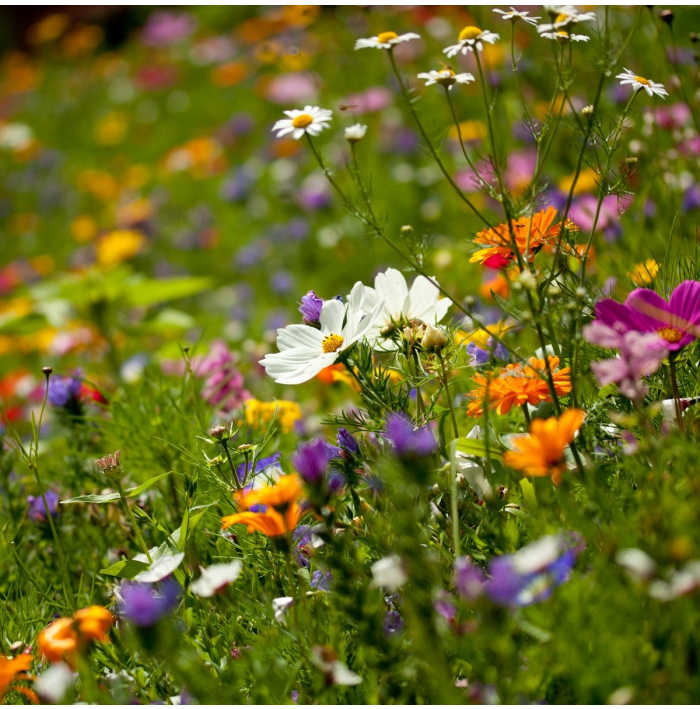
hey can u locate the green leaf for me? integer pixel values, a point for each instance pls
(477, 448)
(125, 569)
(94, 499)
(528, 493)
(151, 291)
(134, 491)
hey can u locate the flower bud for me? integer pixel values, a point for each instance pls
(109, 463)
(434, 339)
(355, 133)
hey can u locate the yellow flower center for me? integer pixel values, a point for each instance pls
(469, 32)
(670, 334)
(563, 34)
(302, 120)
(384, 37)
(562, 17)
(642, 80)
(332, 343)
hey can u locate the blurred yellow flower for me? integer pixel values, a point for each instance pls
(587, 182)
(643, 273)
(48, 29)
(229, 74)
(259, 414)
(81, 40)
(300, 15)
(43, 264)
(98, 183)
(118, 246)
(471, 130)
(111, 129)
(83, 228)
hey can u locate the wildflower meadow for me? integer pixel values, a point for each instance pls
(348, 354)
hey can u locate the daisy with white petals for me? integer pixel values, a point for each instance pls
(515, 15)
(565, 16)
(639, 82)
(564, 36)
(385, 40)
(470, 38)
(400, 305)
(445, 77)
(305, 350)
(311, 120)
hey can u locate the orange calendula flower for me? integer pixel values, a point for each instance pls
(280, 502)
(541, 452)
(12, 670)
(530, 233)
(65, 636)
(518, 384)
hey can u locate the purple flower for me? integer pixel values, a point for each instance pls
(310, 308)
(393, 623)
(37, 511)
(321, 580)
(469, 578)
(409, 442)
(164, 28)
(260, 465)
(64, 391)
(144, 605)
(223, 386)
(311, 460)
(281, 282)
(640, 355)
(531, 574)
(302, 545)
(644, 311)
(346, 442)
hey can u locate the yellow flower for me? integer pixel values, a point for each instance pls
(83, 228)
(643, 273)
(587, 182)
(111, 129)
(118, 246)
(259, 414)
(48, 29)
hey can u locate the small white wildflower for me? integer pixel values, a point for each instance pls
(280, 606)
(388, 573)
(53, 685)
(311, 120)
(470, 39)
(639, 82)
(637, 563)
(515, 15)
(568, 16)
(216, 577)
(355, 133)
(445, 77)
(564, 36)
(385, 40)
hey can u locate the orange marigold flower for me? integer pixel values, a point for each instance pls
(518, 384)
(542, 451)
(281, 511)
(531, 234)
(15, 669)
(64, 637)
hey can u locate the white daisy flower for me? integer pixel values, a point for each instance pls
(515, 15)
(216, 577)
(564, 36)
(388, 573)
(567, 16)
(399, 305)
(355, 133)
(639, 82)
(311, 120)
(305, 350)
(385, 40)
(469, 38)
(445, 77)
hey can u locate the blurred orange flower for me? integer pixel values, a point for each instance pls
(66, 636)
(15, 669)
(542, 451)
(281, 508)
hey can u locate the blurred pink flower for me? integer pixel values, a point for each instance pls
(291, 89)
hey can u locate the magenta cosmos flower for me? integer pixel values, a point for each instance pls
(676, 321)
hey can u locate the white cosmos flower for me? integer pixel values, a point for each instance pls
(564, 36)
(515, 15)
(639, 82)
(216, 577)
(445, 77)
(305, 350)
(469, 38)
(311, 120)
(399, 305)
(385, 40)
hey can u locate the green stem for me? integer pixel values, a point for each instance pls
(130, 514)
(676, 393)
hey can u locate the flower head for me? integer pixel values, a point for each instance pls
(310, 308)
(639, 82)
(470, 39)
(311, 460)
(144, 604)
(409, 442)
(37, 510)
(277, 507)
(564, 36)
(355, 133)
(564, 17)
(66, 636)
(445, 77)
(542, 451)
(13, 669)
(305, 351)
(64, 391)
(514, 15)
(385, 40)
(215, 578)
(676, 321)
(311, 120)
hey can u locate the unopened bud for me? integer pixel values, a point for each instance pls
(587, 111)
(218, 432)
(109, 463)
(47, 371)
(434, 339)
(355, 133)
(666, 16)
(580, 292)
(631, 160)
(693, 37)
(406, 229)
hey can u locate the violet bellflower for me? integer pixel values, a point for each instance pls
(310, 308)
(144, 604)
(37, 510)
(409, 442)
(64, 391)
(676, 321)
(311, 460)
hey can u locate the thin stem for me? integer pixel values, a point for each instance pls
(132, 519)
(676, 394)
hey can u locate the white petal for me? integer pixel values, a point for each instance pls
(299, 336)
(332, 316)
